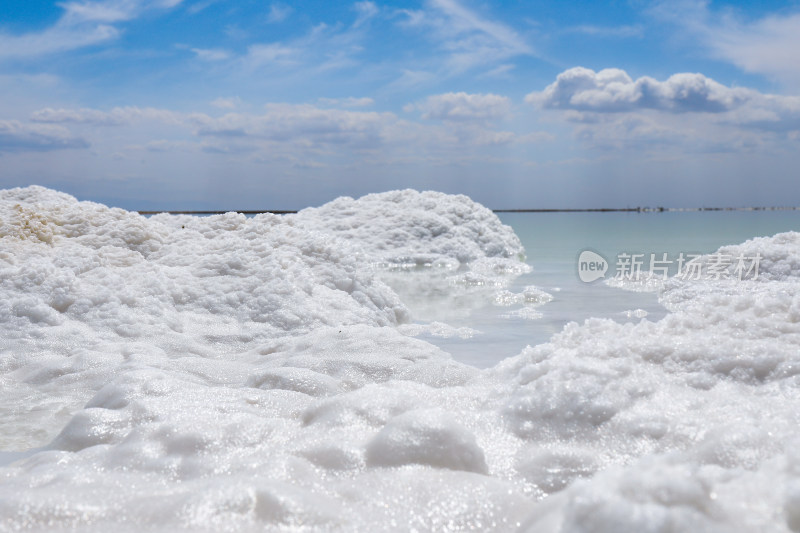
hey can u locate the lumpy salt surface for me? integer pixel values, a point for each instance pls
(224, 373)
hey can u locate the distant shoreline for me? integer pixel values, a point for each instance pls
(589, 210)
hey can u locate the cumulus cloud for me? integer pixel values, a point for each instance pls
(16, 136)
(463, 107)
(610, 110)
(612, 90)
(585, 94)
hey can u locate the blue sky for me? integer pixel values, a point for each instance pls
(226, 104)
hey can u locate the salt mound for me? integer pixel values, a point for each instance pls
(419, 228)
(779, 256)
(428, 438)
(218, 276)
(444, 255)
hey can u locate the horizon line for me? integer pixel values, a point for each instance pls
(532, 210)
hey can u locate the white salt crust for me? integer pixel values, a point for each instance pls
(231, 374)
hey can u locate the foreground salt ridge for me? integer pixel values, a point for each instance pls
(686, 424)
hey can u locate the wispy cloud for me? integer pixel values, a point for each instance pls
(501, 71)
(466, 39)
(766, 46)
(278, 13)
(211, 54)
(82, 24)
(60, 38)
(271, 54)
(200, 6)
(323, 48)
(607, 31)
(366, 11)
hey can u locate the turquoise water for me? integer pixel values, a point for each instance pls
(553, 242)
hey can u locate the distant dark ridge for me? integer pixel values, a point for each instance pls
(592, 210)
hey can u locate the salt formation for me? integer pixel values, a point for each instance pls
(416, 228)
(234, 374)
(444, 255)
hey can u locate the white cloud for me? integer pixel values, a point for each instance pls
(347, 102)
(307, 123)
(410, 79)
(323, 48)
(227, 103)
(119, 116)
(16, 136)
(111, 10)
(165, 146)
(607, 31)
(197, 7)
(279, 123)
(213, 54)
(501, 71)
(766, 46)
(535, 137)
(270, 54)
(612, 90)
(475, 135)
(690, 112)
(59, 38)
(466, 39)
(82, 24)
(278, 13)
(366, 11)
(313, 134)
(76, 12)
(463, 107)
